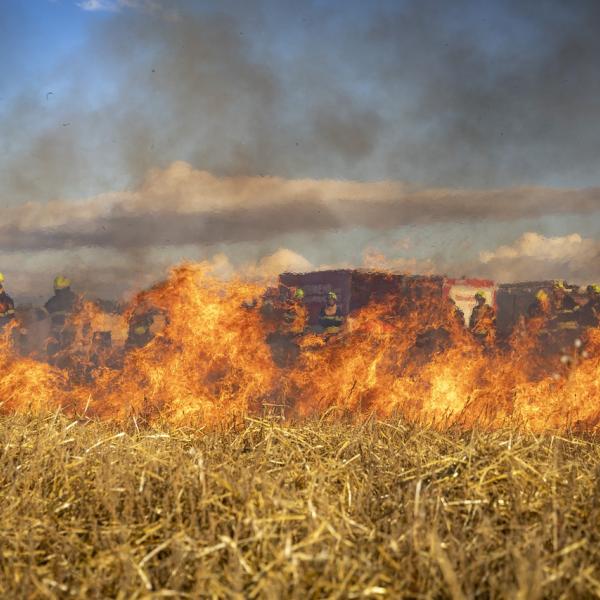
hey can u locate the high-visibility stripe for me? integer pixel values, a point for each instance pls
(568, 325)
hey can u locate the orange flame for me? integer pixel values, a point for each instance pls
(209, 362)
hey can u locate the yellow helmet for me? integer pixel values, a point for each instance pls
(60, 282)
(1, 277)
(480, 294)
(541, 295)
(559, 284)
(299, 294)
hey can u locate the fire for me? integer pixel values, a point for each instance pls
(209, 362)
(27, 385)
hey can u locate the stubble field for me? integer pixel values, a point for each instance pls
(324, 509)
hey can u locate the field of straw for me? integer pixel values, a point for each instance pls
(317, 510)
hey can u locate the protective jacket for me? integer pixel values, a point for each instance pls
(483, 322)
(294, 317)
(331, 316)
(60, 306)
(566, 315)
(139, 330)
(7, 308)
(589, 314)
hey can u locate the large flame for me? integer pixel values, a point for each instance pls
(210, 363)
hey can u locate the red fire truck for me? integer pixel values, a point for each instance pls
(355, 288)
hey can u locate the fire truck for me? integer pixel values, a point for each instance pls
(356, 288)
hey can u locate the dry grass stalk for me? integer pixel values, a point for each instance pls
(320, 509)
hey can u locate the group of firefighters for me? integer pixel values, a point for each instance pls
(58, 307)
(558, 315)
(65, 302)
(290, 314)
(555, 308)
(294, 315)
(559, 312)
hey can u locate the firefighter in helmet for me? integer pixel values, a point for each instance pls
(590, 312)
(482, 323)
(59, 307)
(536, 325)
(7, 306)
(295, 314)
(540, 307)
(331, 317)
(140, 332)
(63, 303)
(290, 318)
(565, 311)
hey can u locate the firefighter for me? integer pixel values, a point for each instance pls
(140, 332)
(289, 319)
(534, 330)
(59, 307)
(565, 311)
(7, 306)
(455, 315)
(295, 314)
(540, 307)
(62, 303)
(589, 315)
(482, 323)
(331, 318)
(559, 326)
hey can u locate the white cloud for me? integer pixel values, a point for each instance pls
(98, 5)
(116, 5)
(530, 257)
(535, 256)
(534, 245)
(280, 261)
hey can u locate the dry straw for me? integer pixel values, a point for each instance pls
(317, 510)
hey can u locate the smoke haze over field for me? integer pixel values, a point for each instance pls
(141, 132)
(180, 205)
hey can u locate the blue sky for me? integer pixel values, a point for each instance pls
(381, 60)
(469, 95)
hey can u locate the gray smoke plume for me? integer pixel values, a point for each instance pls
(467, 93)
(180, 205)
(485, 108)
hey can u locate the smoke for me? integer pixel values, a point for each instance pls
(453, 94)
(241, 123)
(501, 90)
(110, 274)
(349, 132)
(180, 205)
(188, 87)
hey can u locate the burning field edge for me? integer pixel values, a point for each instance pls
(321, 508)
(219, 357)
